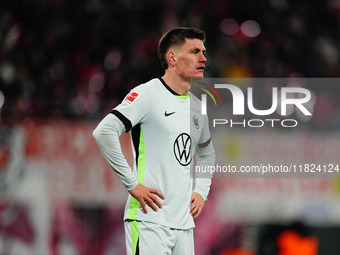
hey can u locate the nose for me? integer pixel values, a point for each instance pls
(203, 58)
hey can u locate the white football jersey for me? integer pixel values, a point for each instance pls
(165, 129)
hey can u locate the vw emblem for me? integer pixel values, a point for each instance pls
(182, 149)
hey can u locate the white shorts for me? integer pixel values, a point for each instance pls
(145, 238)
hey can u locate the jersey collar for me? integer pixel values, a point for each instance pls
(167, 87)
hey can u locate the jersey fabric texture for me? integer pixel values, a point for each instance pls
(165, 133)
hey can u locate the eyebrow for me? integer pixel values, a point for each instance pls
(196, 48)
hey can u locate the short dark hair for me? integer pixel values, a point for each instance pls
(177, 36)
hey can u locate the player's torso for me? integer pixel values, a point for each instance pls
(171, 129)
(167, 150)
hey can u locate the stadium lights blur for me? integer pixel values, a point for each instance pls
(250, 28)
(96, 82)
(229, 26)
(7, 72)
(2, 101)
(113, 60)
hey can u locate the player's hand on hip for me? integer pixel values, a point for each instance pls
(146, 195)
(197, 204)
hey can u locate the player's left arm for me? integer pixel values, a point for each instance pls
(205, 156)
(202, 181)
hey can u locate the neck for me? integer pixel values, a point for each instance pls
(177, 84)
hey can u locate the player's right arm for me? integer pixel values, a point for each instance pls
(107, 135)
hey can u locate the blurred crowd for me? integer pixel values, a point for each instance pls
(77, 59)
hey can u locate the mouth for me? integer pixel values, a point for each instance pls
(200, 68)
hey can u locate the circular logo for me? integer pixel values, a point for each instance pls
(182, 149)
(195, 120)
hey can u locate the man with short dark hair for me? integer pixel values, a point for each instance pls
(158, 115)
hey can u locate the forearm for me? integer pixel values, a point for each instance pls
(205, 157)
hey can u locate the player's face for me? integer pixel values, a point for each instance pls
(191, 59)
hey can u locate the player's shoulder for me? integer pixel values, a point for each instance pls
(147, 86)
(144, 91)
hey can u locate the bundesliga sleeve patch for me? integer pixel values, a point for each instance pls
(131, 97)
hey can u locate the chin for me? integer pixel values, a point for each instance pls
(198, 75)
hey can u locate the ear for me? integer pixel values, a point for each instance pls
(171, 57)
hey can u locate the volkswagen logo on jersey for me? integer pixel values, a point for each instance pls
(182, 149)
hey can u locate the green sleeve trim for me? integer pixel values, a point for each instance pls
(134, 203)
